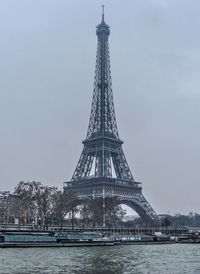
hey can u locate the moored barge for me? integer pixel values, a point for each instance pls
(72, 239)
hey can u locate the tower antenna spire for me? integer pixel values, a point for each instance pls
(102, 12)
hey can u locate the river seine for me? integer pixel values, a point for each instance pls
(139, 259)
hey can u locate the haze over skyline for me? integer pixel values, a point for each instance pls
(48, 51)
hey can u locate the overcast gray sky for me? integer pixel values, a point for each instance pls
(47, 60)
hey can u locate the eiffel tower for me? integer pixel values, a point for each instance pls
(102, 170)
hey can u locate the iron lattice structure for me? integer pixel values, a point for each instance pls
(102, 169)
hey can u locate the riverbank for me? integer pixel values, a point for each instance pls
(24, 239)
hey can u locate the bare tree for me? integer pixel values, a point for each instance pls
(94, 213)
(34, 202)
(24, 198)
(85, 214)
(64, 203)
(44, 198)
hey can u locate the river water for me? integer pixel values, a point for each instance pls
(127, 259)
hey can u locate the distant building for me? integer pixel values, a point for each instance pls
(4, 196)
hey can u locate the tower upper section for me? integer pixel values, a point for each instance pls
(102, 118)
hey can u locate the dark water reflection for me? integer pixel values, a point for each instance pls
(155, 259)
(102, 260)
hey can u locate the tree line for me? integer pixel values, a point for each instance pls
(182, 220)
(177, 221)
(33, 203)
(41, 206)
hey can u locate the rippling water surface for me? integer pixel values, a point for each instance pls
(155, 259)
